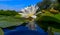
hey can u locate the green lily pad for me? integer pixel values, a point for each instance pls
(1, 32)
(46, 21)
(8, 21)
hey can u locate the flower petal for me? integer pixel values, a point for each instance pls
(23, 11)
(34, 16)
(34, 9)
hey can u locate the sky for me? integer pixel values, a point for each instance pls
(16, 4)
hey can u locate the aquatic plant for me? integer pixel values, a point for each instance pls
(29, 13)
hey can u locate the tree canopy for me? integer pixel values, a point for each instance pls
(8, 12)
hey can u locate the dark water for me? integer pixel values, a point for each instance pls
(22, 30)
(56, 33)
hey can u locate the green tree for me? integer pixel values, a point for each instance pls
(44, 4)
(8, 12)
(57, 6)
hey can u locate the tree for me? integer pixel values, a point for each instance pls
(57, 6)
(44, 4)
(8, 12)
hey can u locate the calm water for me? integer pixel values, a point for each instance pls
(56, 33)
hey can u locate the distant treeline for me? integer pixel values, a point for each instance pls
(8, 12)
(47, 4)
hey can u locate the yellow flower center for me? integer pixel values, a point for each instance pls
(30, 15)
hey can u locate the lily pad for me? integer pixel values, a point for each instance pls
(8, 21)
(1, 32)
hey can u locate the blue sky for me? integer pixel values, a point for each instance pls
(16, 4)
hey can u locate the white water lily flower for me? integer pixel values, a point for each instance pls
(29, 12)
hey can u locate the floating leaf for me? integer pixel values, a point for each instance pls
(1, 32)
(7, 21)
(46, 20)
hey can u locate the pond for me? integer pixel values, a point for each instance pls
(56, 33)
(22, 30)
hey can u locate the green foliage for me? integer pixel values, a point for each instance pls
(58, 1)
(1, 32)
(57, 7)
(8, 12)
(18, 16)
(47, 19)
(44, 4)
(55, 30)
(8, 21)
(10, 18)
